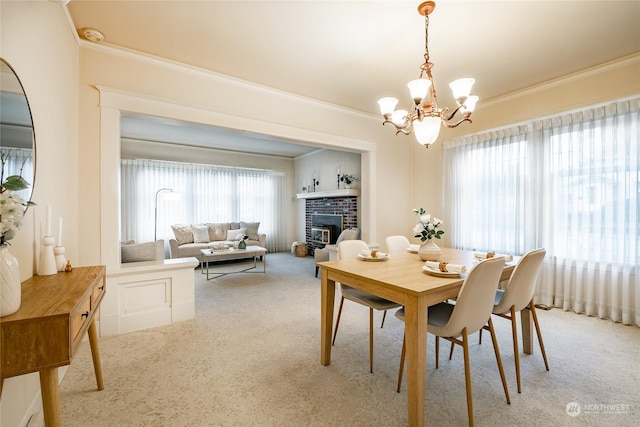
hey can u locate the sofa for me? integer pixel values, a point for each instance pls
(191, 238)
(130, 251)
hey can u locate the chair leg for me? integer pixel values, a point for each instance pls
(371, 340)
(384, 315)
(317, 268)
(437, 350)
(537, 325)
(402, 356)
(480, 337)
(451, 351)
(335, 332)
(467, 375)
(499, 360)
(516, 352)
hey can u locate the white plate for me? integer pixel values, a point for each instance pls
(368, 258)
(439, 273)
(413, 249)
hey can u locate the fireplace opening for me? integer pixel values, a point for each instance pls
(325, 228)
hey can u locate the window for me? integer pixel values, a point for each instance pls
(570, 184)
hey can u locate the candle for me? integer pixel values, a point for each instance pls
(48, 229)
(60, 231)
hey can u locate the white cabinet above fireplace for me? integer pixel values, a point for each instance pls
(331, 193)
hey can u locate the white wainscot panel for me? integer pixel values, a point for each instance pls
(147, 294)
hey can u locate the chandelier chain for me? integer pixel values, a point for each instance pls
(426, 38)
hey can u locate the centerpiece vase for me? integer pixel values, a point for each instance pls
(242, 245)
(429, 251)
(10, 286)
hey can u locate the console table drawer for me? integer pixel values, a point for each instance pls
(80, 318)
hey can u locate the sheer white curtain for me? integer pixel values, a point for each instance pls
(568, 183)
(205, 194)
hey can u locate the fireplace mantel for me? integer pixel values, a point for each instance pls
(332, 193)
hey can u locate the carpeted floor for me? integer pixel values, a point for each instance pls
(251, 358)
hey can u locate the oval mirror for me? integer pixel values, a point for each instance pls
(17, 137)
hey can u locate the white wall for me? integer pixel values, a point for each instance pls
(36, 40)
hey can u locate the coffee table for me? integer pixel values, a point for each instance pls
(208, 255)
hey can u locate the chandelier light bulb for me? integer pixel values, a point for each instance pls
(461, 88)
(387, 105)
(419, 89)
(470, 104)
(427, 130)
(399, 116)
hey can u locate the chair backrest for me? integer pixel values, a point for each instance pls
(348, 249)
(522, 282)
(475, 299)
(397, 244)
(348, 234)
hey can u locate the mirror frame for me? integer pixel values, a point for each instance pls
(32, 182)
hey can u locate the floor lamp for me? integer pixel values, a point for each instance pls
(155, 224)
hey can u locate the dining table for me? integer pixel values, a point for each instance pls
(402, 279)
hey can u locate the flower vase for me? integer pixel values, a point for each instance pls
(429, 251)
(242, 245)
(10, 286)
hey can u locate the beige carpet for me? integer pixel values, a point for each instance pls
(251, 358)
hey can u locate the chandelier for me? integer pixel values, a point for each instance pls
(425, 118)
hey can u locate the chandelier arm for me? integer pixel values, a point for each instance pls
(462, 120)
(453, 113)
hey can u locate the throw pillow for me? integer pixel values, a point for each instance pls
(200, 234)
(236, 234)
(218, 231)
(252, 229)
(136, 252)
(183, 233)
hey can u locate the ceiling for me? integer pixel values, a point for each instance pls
(350, 53)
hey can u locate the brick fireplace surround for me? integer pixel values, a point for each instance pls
(346, 206)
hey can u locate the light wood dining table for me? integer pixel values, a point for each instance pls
(402, 279)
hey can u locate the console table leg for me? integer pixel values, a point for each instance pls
(50, 397)
(95, 354)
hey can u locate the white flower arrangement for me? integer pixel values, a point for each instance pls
(427, 229)
(12, 206)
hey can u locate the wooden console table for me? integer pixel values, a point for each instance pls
(47, 330)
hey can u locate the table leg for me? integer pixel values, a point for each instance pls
(527, 330)
(327, 300)
(50, 397)
(95, 354)
(415, 321)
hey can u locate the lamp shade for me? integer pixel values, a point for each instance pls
(470, 104)
(462, 87)
(399, 116)
(427, 130)
(387, 105)
(418, 89)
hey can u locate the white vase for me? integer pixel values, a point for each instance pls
(10, 286)
(429, 251)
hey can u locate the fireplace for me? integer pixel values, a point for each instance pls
(325, 228)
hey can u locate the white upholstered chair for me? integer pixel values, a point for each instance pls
(396, 244)
(322, 254)
(519, 295)
(470, 313)
(348, 249)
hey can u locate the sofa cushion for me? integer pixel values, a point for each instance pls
(218, 231)
(183, 233)
(252, 229)
(200, 233)
(236, 234)
(136, 252)
(234, 225)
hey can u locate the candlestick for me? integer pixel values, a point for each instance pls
(61, 260)
(60, 232)
(47, 264)
(48, 228)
